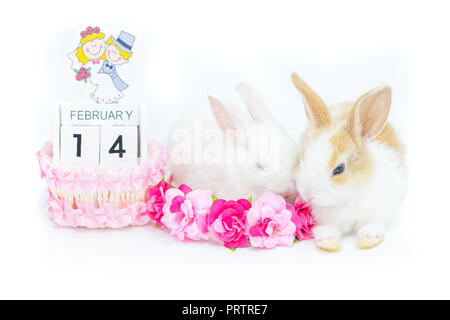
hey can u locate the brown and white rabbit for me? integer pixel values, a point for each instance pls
(270, 171)
(351, 167)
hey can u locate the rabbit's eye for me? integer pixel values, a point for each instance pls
(339, 169)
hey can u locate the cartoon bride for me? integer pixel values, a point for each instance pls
(109, 84)
(88, 57)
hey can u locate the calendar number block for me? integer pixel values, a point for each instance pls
(119, 145)
(80, 144)
(92, 135)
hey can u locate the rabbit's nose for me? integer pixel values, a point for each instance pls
(288, 195)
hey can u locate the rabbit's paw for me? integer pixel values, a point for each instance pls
(328, 238)
(329, 244)
(369, 236)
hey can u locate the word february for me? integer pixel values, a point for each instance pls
(117, 115)
(82, 115)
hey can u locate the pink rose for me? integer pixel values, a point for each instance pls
(97, 30)
(83, 34)
(155, 201)
(303, 219)
(79, 76)
(185, 214)
(87, 75)
(82, 70)
(89, 30)
(269, 222)
(227, 222)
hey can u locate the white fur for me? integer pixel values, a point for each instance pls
(235, 181)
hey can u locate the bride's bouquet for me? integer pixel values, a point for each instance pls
(83, 74)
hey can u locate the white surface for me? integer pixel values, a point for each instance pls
(182, 49)
(109, 136)
(90, 141)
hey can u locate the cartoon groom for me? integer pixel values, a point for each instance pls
(118, 51)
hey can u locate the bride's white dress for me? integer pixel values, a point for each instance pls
(105, 91)
(94, 66)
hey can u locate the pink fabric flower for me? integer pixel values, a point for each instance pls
(47, 149)
(62, 213)
(269, 222)
(155, 201)
(227, 222)
(138, 212)
(117, 218)
(185, 214)
(87, 181)
(303, 219)
(94, 217)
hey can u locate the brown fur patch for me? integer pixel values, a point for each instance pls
(358, 169)
(316, 107)
(342, 143)
(359, 163)
(389, 138)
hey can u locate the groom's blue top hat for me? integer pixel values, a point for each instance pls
(124, 41)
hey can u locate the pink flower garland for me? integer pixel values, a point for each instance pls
(198, 215)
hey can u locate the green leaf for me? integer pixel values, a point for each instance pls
(296, 239)
(250, 199)
(232, 249)
(164, 180)
(76, 71)
(214, 198)
(88, 69)
(84, 79)
(156, 226)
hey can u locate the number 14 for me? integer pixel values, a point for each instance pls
(118, 142)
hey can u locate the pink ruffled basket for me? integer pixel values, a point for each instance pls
(99, 198)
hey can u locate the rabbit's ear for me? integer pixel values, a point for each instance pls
(370, 113)
(221, 114)
(255, 106)
(315, 108)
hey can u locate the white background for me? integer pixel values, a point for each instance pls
(182, 49)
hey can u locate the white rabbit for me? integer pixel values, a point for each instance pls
(351, 167)
(251, 170)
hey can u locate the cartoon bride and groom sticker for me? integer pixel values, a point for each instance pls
(95, 61)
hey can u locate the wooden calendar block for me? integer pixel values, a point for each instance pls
(79, 144)
(119, 145)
